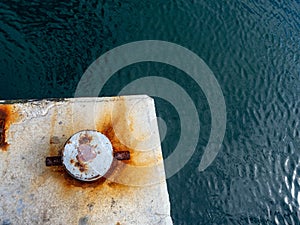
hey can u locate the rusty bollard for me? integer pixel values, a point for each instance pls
(87, 156)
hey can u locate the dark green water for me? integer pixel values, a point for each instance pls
(253, 49)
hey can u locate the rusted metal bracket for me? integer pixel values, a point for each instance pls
(54, 161)
(122, 155)
(57, 160)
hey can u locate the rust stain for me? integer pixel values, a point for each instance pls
(112, 118)
(104, 124)
(82, 167)
(85, 139)
(118, 146)
(86, 151)
(8, 115)
(54, 140)
(90, 190)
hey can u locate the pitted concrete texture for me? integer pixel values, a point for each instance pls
(133, 192)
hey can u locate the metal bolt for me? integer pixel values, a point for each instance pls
(87, 155)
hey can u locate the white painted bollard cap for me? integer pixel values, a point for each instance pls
(87, 155)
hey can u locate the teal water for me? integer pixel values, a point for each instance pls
(253, 49)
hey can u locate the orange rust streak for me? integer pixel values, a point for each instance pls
(104, 124)
(91, 190)
(69, 183)
(8, 116)
(85, 139)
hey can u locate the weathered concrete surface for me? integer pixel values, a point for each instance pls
(134, 192)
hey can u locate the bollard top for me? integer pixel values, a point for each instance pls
(87, 155)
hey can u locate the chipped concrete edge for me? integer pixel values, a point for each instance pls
(19, 101)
